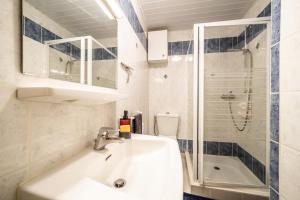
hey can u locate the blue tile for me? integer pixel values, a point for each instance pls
(274, 165)
(225, 148)
(47, 35)
(235, 43)
(275, 68)
(234, 149)
(115, 50)
(33, 30)
(190, 146)
(212, 148)
(106, 55)
(64, 48)
(259, 170)
(225, 44)
(248, 161)
(184, 144)
(274, 124)
(249, 33)
(212, 45)
(257, 29)
(267, 10)
(176, 48)
(111, 49)
(276, 7)
(97, 54)
(273, 195)
(185, 47)
(241, 153)
(75, 52)
(241, 40)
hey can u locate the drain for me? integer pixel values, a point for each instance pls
(119, 183)
(216, 168)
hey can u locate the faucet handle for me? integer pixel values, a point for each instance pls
(107, 131)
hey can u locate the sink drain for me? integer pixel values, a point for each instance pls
(216, 168)
(119, 183)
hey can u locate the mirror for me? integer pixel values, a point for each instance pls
(70, 40)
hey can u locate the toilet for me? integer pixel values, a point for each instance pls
(167, 124)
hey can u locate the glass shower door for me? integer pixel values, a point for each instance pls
(232, 86)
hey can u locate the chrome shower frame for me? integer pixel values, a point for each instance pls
(198, 93)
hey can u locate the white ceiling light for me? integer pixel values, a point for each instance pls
(110, 8)
(115, 8)
(105, 9)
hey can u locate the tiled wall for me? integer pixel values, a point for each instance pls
(130, 13)
(36, 136)
(132, 51)
(41, 34)
(274, 115)
(225, 44)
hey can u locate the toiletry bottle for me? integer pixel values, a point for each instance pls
(125, 126)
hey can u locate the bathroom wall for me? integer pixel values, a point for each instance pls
(170, 84)
(132, 51)
(37, 136)
(285, 59)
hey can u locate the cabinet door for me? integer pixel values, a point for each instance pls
(158, 46)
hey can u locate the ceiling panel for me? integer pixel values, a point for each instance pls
(182, 14)
(80, 17)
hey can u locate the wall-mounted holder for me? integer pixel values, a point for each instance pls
(128, 70)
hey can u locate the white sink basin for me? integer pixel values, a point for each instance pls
(150, 165)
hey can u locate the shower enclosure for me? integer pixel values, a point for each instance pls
(231, 103)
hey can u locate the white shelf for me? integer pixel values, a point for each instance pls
(81, 95)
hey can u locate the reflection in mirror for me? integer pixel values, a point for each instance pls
(70, 40)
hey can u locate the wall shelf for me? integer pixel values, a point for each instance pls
(81, 94)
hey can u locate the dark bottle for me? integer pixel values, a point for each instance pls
(125, 126)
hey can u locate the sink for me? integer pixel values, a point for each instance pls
(149, 166)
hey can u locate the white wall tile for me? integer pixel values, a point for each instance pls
(289, 119)
(289, 18)
(289, 63)
(289, 167)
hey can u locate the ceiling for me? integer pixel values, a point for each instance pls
(80, 17)
(182, 14)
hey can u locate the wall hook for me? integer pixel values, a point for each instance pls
(128, 70)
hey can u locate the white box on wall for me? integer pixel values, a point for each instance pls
(158, 46)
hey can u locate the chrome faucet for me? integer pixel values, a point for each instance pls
(104, 138)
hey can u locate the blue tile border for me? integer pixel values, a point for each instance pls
(275, 98)
(133, 19)
(275, 50)
(218, 45)
(276, 9)
(41, 34)
(274, 117)
(32, 30)
(273, 195)
(180, 48)
(274, 165)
